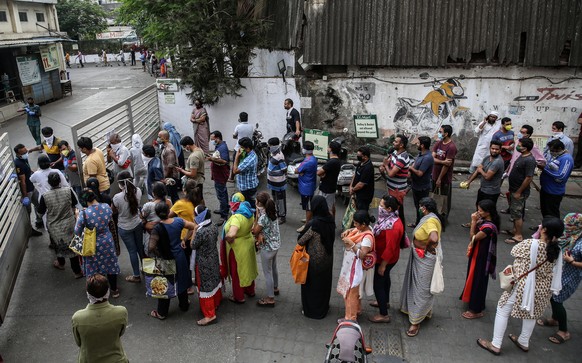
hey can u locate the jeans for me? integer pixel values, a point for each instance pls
(133, 240)
(501, 318)
(550, 204)
(250, 195)
(559, 314)
(222, 195)
(75, 264)
(269, 263)
(280, 199)
(35, 132)
(382, 288)
(417, 195)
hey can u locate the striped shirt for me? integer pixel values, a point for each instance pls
(402, 162)
(277, 172)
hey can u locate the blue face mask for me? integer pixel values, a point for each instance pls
(519, 136)
(440, 136)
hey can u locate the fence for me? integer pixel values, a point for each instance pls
(14, 225)
(138, 114)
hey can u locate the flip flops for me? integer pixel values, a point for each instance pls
(264, 303)
(513, 338)
(466, 225)
(57, 265)
(155, 314)
(512, 241)
(134, 279)
(379, 319)
(236, 301)
(470, 315)
(485, 344)
(413, 332)
(206, 321)
(558, 339)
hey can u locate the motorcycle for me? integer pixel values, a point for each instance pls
(291, 149)
(261, 149)
(347, 171)
(347, 344)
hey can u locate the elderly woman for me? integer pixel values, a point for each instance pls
(416, 300)
(388, 233)
(59, 206)
(104, 261)
(533, 267)
(165, 242)
(318, 238)
(358, 241)
(240, 257)
(571, 244)
(207, 267)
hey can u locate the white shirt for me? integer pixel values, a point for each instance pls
(485, 135)
(243, 129)
(40, 180)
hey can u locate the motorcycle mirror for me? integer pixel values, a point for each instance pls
(257, 125)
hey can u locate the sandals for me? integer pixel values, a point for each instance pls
(514, 338)
(236, 301)
(558, 339)
(155, 314)
(115, 293)
(411, 225)
(134, 279)
(57, 265)
(264, 303)
(546, 322)
(411, 332)
(379, 319)
(470, 315)
(512, 241)
(374, 304)
(485, 344)
(206, 321)
(191, 291)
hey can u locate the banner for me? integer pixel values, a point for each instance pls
(49, 57)
(28, 70)
(320, 140)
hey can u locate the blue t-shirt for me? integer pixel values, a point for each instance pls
(307, 176)
(556, 173)
(424, 162)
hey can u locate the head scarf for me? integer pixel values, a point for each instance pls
(238, 205)
(572, 230)
(235, 201)
(202, 217)
(494, 113)
(136, 142)
(322, 222)
(174, 137)
(386, 220)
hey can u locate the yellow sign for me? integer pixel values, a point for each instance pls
(49, 57)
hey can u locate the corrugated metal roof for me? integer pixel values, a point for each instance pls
(433, 33)
(25, 42)
(287, 18)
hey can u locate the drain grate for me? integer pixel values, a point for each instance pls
(386, 342)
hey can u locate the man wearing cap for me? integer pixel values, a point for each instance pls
(23, 173)
(307, 171)
(484, 131)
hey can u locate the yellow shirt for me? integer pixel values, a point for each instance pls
(95, 165)
(431, 225)
(185, 210)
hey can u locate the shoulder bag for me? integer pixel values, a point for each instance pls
(507, 277)
(85, 245)
(369, 261)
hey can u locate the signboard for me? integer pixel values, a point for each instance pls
(366, 126)
(320, 140)
(28, 70)
(169, 98)
(49, 57)
(167, 84)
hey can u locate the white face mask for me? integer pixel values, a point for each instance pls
(115, 147)
(49, 140)
(24, 156)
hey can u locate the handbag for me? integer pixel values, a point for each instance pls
(84, 245)
(437, 283)
(160, 279)
(507, 277)
(299, 264)
(371, 257)
(441, 201)
(348, 218)
(113, 229)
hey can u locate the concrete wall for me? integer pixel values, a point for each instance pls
(404, 102)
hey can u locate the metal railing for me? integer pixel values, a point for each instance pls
(138, 114)
(10, 205)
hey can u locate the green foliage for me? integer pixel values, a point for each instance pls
(210, 42)
(81, 19)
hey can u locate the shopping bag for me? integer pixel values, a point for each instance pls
(437, 284)
(299, 264)
(86, 244)
(159, 277)
(507, 278)
(348, 218)
(441, 201)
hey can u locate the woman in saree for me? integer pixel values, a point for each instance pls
(239, 249)
(199, 119)
(482, 251)
(317, 238)
(416, 300)
(358, 241)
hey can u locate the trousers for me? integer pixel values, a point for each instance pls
(269, 263)
(501, 318)
(280, 199)
(352, 302)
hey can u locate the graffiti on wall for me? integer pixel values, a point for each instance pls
(441, 106)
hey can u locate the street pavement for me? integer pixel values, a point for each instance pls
(38, 324)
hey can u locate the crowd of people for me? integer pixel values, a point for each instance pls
(160, 213)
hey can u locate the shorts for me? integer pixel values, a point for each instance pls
(516, 206)
(306, 202)
(329, 198)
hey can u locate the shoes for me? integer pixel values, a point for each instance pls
(301, 229)
(35, 233)
(282, 220)
(303, 220)
(216, 211)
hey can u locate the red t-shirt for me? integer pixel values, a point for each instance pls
(388, 243)
(442, 152)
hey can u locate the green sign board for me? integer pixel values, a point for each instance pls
(320, 139)
(366, 126)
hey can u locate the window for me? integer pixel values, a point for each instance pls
(3, 16)
(23, 16)
(40, 17)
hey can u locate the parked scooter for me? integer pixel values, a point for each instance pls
(347, 171)
(261, 149)
(347, 344)
(291, 149)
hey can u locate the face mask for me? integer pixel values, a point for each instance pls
(146, 160)
(65, 153)
(213, 143)
(115, 147)
(273, 149)
(159, 141)
(557, 133)
(305, 152)
(508, 127)
(49, 140)
(519, 149)
(360, 158)
(24, 156)
(243, 154)
(519, 136)
(420, 210)
(440, 136)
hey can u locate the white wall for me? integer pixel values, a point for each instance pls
(262, 100)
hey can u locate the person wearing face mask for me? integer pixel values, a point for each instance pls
(420, 174)
(395, 170)
(578, 161)
(245, 169)
(328, 175)
(23, 172)
(444, 153)
(484, 131)
(554, 177)
(137, 165)
(526, 131)
(170, 164)
(388, 233)
(277, 178)
(98, 328)
(195, 165)
(50, 145)
(94, 164)
(33, 114)
(118, 154)
(506, 137)
(219, 172)
(491, 172)
(175, 139)
(362, 186)
(558, 134)
(155, 172)
(307, 171)
(71, 167)
(519, 187)
(200, 120)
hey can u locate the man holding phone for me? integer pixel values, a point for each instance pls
(194, 164)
